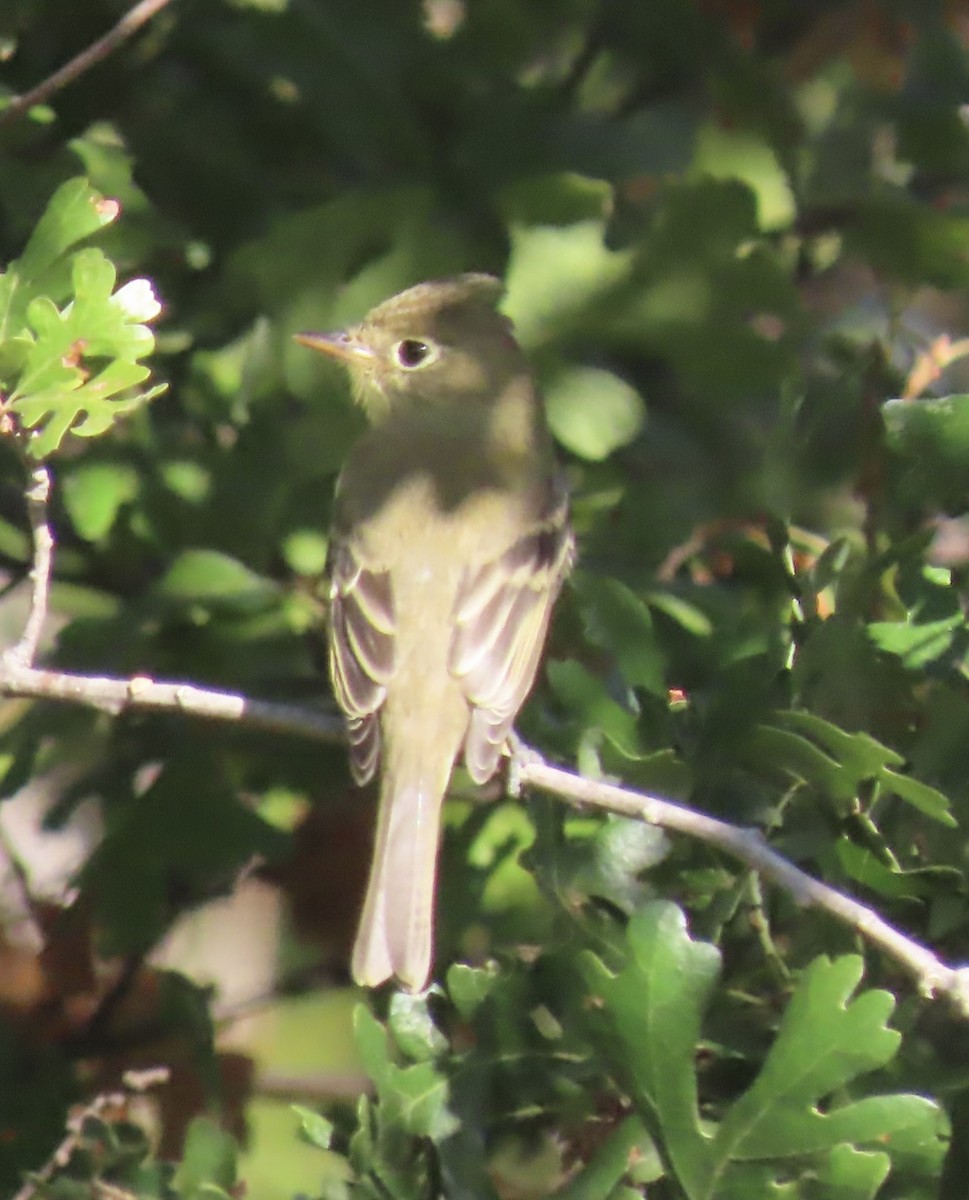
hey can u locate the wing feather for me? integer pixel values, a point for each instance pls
(501, 617)
(361, 651)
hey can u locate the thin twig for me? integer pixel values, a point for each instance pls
(37, 494)
(933, 977)
(134, 1082)
(129, 24)
(143, 694)
(588, 52)
(111, 1191)
(937, 357)
(760, 924)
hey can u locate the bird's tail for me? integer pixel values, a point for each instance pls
(396, 931)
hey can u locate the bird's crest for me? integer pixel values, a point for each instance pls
(437, 296)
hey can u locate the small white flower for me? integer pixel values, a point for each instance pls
(138, 300)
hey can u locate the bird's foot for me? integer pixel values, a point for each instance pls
(520, 755)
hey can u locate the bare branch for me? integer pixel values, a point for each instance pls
(129, 24)
(140, 693)
(37, 494)
(934, 978)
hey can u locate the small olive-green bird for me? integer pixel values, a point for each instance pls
(450, 543)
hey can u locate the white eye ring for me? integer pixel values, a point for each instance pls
(414, 353)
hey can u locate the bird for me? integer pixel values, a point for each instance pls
(449, 544)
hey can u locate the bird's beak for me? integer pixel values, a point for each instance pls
(339, 345)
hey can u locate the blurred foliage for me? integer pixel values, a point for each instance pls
(734, 235)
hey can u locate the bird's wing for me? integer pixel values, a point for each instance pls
(361, 650)
(500, 619)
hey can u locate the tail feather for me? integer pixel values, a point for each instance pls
(396, 932)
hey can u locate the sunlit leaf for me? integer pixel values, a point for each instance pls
(208, 1166)
(209, 577)
(82, 371)
(593, 412)
(94, 493)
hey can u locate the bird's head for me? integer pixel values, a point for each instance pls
(441, 342)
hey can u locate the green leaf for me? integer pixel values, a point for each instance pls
(850, 1174)
(131, 871)
(647, 1020)
(841, 763)
(95, 492)
(565, 198)
(413, 1027)
(315, 1128)
(586, 698)
(593, 412)
(912, 241)
(927, 800)
(209, 577)
(917, 643)
(13, 355)
(694, 620)
(799, 758)
(622, 849)
(305, 551)
(618, 621)
(372, 1043)
(730, 154)
(412, 1099)
(74, 212)
(861, 864)
(208, 1166)
(663, 772)
(469, 987)
(64, 383)
(555, 273)
(858, 752)
(825, 1040)
(931, 440)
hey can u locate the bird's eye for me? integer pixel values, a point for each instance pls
(411, 353)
